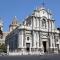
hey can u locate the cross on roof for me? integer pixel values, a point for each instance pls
(43, 3)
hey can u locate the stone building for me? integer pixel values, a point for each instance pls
(36, 35)
(2, 33)
(12, 26)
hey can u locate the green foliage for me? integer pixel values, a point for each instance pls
(3, 48)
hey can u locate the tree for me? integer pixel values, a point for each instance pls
(3, 48)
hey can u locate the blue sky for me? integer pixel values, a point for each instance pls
(23, 8)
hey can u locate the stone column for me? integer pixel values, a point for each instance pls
(51, 41)
(41, 44)
(47, 46)
(34, 39)
(59, 42)
(37, 39)
(59, 38)
(20, 39)
(55, 49)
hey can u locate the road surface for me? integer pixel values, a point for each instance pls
(44, 57)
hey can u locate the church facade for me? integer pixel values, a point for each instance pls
(36, 35)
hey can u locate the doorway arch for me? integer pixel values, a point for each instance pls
(44, 46)
(27, 47)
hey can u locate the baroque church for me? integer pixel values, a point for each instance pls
(37, 34)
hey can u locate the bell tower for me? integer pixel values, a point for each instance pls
(14, 24)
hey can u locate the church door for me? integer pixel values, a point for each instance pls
(27, 47)
(44, 45)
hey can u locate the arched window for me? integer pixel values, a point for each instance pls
(27, 38)
(44, 23)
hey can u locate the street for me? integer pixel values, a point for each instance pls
(28, 57)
